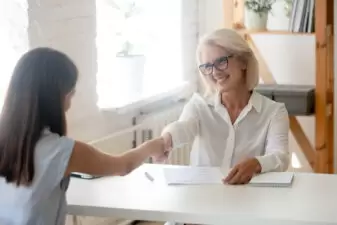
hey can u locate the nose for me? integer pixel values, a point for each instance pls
(216, 73)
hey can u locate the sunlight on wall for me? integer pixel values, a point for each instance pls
(152, 66)
(13, 39)
(295, 162)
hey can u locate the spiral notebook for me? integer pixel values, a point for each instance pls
(188, 175)
(273, 179)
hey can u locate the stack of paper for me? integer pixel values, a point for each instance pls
(214, 175)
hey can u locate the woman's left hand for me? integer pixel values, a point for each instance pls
(243, 172)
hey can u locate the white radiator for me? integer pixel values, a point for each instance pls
(148, 126)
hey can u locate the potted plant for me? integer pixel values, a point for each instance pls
(130, 58)
(288, 5)
(256, 13)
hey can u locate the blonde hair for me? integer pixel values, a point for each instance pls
(233, 43)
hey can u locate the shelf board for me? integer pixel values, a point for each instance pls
(274, 32)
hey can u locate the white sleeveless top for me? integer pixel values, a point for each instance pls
(44, 202)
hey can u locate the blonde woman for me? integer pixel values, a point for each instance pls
(231, 126)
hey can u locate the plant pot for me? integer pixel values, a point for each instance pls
(130, 71)
(256, 21)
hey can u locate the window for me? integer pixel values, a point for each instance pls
(13, 39)
(140, 51)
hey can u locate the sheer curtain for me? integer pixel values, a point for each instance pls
(165, 33)
(13, 39)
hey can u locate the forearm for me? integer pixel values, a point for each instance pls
(275, 161)
(182, 132)
(277, 156)
(135, 157)
(87, 159)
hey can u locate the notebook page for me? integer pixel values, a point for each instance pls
(273, 179)
(193, 175)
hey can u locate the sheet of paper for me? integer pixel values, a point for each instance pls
(193, 175)
(214, 175)
(273, 179)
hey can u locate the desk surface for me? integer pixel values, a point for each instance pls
(311, 200)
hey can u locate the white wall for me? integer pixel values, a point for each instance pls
(70, 26)
(291, 60)
(210, 15)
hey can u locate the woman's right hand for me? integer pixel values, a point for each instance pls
(167, 141)
(157, 149)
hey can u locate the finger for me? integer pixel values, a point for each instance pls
(160, 160)
(237, 177)
(163, 157)
(231, 174)
(168, 141)
(245, 179)
(248, 172)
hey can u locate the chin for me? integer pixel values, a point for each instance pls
(223, 88)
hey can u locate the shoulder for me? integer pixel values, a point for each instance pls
(52, 145)
(196, 104)
(197, 100)
(47, 137)
(52, 155)
(271, 107)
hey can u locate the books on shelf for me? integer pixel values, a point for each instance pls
(302, 16)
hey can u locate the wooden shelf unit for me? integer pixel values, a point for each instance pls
(320, 156)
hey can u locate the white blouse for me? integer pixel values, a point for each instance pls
(261, 131)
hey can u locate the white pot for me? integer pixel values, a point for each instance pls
(256, 21)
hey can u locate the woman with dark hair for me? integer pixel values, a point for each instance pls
(36, 157)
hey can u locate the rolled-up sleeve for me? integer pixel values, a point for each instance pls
(276, 157)
(186, 128)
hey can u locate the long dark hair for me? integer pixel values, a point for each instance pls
(35, 100)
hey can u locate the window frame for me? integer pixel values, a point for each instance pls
(183, 90)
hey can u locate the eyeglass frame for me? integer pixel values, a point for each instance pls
(214, 64)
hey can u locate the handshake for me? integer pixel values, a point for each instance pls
(159, 148)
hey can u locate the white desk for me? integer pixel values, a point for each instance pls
(312, 200)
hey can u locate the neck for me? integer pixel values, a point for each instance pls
(235, 100)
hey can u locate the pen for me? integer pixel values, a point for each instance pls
(148, 176)
(83, 176)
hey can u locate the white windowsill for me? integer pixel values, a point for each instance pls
(182, 91)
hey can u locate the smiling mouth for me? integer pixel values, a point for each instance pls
(223, 79)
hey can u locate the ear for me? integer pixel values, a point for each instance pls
(243, 65)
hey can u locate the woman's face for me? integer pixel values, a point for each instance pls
(67, 100)
(222, 69)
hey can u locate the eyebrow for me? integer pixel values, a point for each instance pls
(208, 63)
(205, 64)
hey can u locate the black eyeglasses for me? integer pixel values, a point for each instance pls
(220, 64)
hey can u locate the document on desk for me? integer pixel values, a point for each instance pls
(193, 175)
(213, 175)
